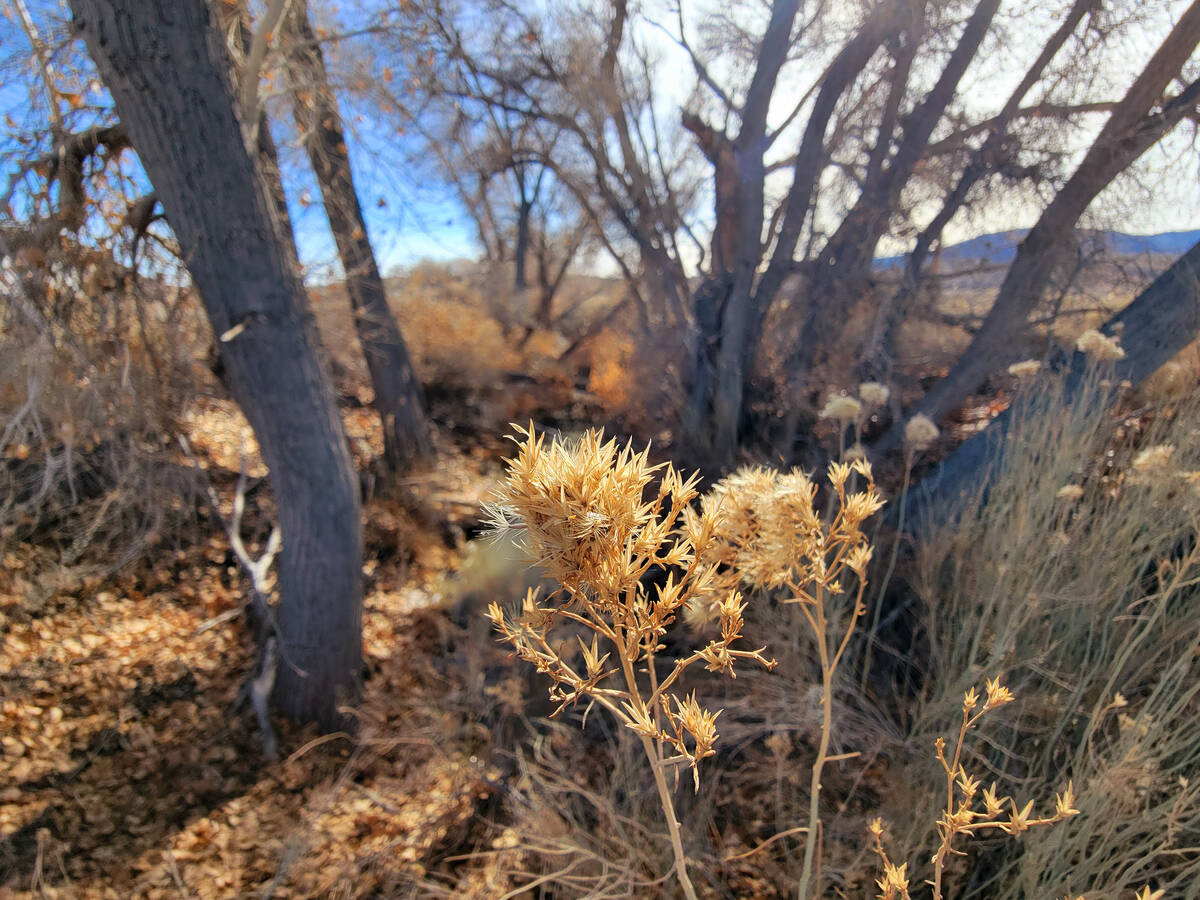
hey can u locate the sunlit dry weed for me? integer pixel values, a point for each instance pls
(770, 536)
(583, 515)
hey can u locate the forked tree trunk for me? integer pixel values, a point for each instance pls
(842, 272)
(398, 396)
(725, 306)
(168, 71)
(879, 354)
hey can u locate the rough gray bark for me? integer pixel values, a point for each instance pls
(812, 156)
(724, 308)
(399, 399)
(1157, 325)
(168, 71)
(741, 319)
(1138, 122)
(852, 248)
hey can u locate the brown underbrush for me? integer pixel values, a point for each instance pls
(1071, 584)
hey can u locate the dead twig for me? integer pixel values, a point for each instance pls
(258, 686)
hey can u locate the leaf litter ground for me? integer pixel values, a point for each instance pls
(123, 773)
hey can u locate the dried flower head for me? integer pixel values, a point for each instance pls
(590, 513)
(997, 694)
(1069, 492)
(696, 722)
(855, 453)
(1026, 368)
(769, 535)
(1154, 459)
(894, 883)
(1099, 346)
(992, 803)
(874, 394)
(841, 408)
(1064, 803)
(970, 699)
(920, 432)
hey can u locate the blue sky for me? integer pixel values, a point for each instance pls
(420, 218)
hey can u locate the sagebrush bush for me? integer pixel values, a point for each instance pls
(584, 518)
(1076, 577)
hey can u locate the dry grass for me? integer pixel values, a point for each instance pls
(1076, 579)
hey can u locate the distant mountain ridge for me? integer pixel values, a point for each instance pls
(1001, 246)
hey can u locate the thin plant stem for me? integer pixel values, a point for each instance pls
(820, 625)
(668, 807)
(814, 802)
(655, 758)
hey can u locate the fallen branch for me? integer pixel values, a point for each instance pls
(258, 685)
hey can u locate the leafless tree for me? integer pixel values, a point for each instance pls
(525, 217)
(875, 125)
(398, 396)
(1147, 112)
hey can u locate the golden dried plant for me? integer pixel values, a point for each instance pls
(920, 432)
(874, 394)
(841, 408)
(767, 534)
(1026, 368)
(1101, 347)
(962, 815)
(590, 514)
(893, 885)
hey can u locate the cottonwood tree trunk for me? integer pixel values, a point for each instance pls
(842, 272)
(168, 71)
(1137, 123)
(726, 307)
(398, 396)
(811, 159)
